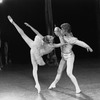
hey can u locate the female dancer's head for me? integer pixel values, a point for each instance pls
(48, 39)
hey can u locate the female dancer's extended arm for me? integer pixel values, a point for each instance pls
(58, 45)
(21, 32)
(34, 30)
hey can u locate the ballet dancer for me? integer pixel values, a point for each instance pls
(41, 45)
(67, 61)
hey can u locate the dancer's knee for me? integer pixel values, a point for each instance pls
(59, 72)
(70, 74)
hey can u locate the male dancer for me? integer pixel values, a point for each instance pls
(65, 35)
(40, 46)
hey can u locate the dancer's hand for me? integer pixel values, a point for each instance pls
(26, 24)
(89, 49)
(10, 19)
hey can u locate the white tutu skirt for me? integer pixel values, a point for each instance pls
(37, 56)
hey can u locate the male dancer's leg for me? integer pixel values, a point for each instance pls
(69, 70)
(59, 73)
(35, 74)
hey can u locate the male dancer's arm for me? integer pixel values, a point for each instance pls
(83, 44)
(34, 30)
(74, 40)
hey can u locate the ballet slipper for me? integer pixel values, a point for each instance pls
(78, 91)
(38, 88)
(52, 86)
(10, 19)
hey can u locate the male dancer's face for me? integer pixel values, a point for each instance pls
(64, 32)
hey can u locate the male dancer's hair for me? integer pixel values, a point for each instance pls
(66, 27)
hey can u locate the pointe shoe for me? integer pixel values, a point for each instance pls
(52, 86)
(10, 19)
(78, 91)
(38, 88)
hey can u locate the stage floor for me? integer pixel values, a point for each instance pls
(17, 83)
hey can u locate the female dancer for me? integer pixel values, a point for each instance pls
(40, 46)
(65, 35)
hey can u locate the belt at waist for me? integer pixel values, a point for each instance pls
(66, 55)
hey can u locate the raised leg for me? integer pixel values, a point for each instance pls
(21, 32)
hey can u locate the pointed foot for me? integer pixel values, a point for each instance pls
(38, 88)
(52, 86)
(78, 91)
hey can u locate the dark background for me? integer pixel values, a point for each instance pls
(83, 15)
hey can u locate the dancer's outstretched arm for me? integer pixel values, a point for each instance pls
(83, 44)
(34, 30)
(74, 40)
(58, 45)
(21, 32)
